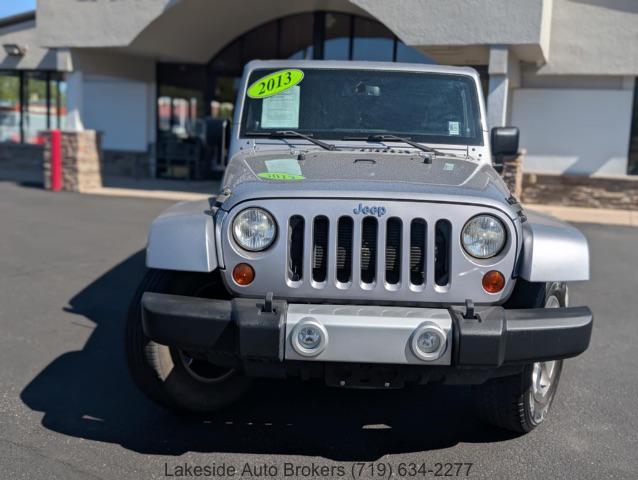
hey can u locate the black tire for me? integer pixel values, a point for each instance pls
(164, 374)
(509, 402)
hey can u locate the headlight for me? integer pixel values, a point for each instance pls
(483, 236)
(254, 229)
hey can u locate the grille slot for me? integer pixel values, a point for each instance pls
(295, 250)
(345, 231)
(369, 227)
(442, 253)
(393, 251)
(320, 249)
(417, 251)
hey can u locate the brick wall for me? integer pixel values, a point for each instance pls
(17, 156)
(124, 163)
(513, 174)
(576, 191)
(81, 156)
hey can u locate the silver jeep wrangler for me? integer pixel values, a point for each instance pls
(363, 237)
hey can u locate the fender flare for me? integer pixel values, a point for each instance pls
(553, 250)
(182, 238)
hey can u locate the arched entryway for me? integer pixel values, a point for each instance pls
(195, 99)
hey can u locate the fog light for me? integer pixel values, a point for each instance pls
(429, 342)
(493, 281)
(243, 274)
(309, 338)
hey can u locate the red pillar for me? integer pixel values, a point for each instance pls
(56, 160)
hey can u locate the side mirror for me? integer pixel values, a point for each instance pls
(504, 144)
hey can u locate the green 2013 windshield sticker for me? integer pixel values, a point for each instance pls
(286, 177)
(275, 83)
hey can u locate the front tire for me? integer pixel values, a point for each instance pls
(521, 402)
(178, 380)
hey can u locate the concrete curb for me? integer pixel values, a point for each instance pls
(152, 194)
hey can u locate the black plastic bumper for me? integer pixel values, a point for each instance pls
(243, 327)
(503, 337)
(255, 329)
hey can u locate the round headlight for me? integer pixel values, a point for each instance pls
(254, 229)
(483, 236)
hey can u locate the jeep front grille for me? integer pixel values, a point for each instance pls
(378, 257)
(328, 250)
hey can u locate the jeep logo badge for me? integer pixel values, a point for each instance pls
(367, 210)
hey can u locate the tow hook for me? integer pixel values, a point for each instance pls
(469, 310)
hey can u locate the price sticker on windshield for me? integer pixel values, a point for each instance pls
(275, 83)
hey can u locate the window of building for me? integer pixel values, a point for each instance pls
(408, 54)
(36, 118)
(30, 103)
(57, 101)
(10, 107)
(372, 41)
(295, 37)
(338, 34)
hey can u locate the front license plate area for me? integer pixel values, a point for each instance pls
(364, 376)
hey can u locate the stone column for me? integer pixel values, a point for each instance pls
(513, 174)
(81, 157)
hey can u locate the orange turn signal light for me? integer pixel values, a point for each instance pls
(243, 274)
(493, 281)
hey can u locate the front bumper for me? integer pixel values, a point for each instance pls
(262, 330)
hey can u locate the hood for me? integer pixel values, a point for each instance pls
(398, 174)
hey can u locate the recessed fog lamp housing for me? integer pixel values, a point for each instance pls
(429, 342)
(309, 338)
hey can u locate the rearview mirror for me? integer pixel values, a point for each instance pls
(504, 144)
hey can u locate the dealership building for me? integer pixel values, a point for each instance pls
(157, 78)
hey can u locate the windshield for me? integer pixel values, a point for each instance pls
(337, 104)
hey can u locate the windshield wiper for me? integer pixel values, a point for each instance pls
(395, 138)
(292, 133)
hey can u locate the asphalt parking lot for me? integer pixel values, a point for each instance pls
(69, 264)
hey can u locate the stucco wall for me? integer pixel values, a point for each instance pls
(592, 37)
(467, 22)
(24, 34)
(580, 132)
(95, 23)
(112, 64)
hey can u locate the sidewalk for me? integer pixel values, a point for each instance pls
(588, 215)
(177, 190)
(158, 188)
